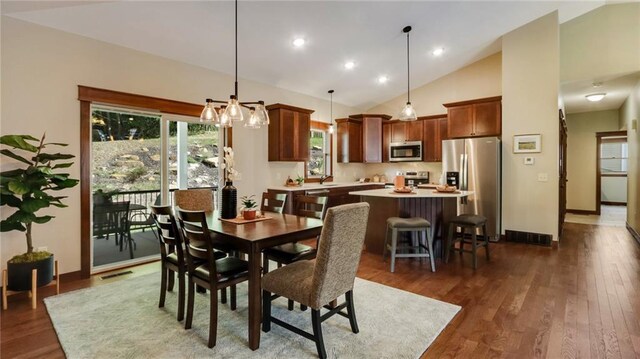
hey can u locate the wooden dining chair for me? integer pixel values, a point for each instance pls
(332, 274)
(273, 202)
(197, 199)
(206, 270)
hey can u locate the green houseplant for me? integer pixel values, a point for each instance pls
(249, 207)
(25, 189)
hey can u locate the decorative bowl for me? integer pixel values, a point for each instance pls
(403, 190)
(446, 188)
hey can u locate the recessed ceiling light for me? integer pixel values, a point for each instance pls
(595, 97)
(383, 79)
(349, 65)
(438, 51)
(298, 42)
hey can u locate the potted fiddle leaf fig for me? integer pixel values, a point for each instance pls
(27, 190)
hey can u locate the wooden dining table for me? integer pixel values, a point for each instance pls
(252, 238)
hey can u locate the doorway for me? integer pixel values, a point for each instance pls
(611, 172)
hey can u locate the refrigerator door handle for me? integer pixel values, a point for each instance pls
(463, 176)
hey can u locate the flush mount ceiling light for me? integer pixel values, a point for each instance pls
(298, 42)
(331, 113)
(383, 79)
(595, 97)
(232, 111)
(408, 113)
(438, 51)
(349, 65)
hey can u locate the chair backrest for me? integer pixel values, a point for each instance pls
(197, 199)
(339, 252)
(167, 231)
(311, 206)
(273, 202)
(197, 241)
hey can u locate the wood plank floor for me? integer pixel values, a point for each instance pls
(580, 301)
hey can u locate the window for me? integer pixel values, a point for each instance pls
(614, 154)
(320, 159)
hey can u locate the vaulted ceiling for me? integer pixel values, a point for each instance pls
(367, 33)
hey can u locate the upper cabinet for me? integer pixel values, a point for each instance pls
(403, 131)
(435, 131)
(474, 118)
(289, 130)
(360, 138)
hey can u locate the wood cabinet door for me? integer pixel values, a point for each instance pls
(442, 135)
(355, 142)
(372, 139)
(386, 139)
(430, 140)
(414, 131)
(398, 131)
(301, 136)
(460, 121)
(486, 118)
(288, 148)
(343, 142)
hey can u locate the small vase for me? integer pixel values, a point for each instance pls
(229, 205)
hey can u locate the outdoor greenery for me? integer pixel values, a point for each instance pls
(25, 189)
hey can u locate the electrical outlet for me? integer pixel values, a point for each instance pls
(529, 161)
(42, 249)
(543, 177)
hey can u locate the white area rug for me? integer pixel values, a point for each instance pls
(122, 320)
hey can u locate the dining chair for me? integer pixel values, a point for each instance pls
(211, 273)
(273, 202)
(317, 283)
(308, 206)
(116, 215)
(197, 199)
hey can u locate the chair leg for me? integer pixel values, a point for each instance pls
(426, 235)
(266, 311)
(223, 295)
(474, 244)
(449, 243)
(486, 240)
(316, 323)
(265, 264)
(181, 280)
(461, 248)
(394, 243)
(232, 293)
(163, 286)
(290, 304)
(213, 317)
(170, 281)
(190, 300)
(131, 242)
(351, 312)
(386, 241)
(303, 307)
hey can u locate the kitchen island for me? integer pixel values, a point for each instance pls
(438, 208)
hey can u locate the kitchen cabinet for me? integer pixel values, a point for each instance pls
(349, 140)
(435, 130)
(474, 118)
(289, 130)
(336, 195)
(403, 131)
(386, 140)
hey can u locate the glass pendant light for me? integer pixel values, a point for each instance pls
(234, 111)
(254, 121)
(262, 114)
(209, 113)
(408, 113)
(224, 119)
(331, 129)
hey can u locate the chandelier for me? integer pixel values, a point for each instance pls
(232, 110)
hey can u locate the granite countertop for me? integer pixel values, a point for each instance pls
(419, 193)
(327, 185)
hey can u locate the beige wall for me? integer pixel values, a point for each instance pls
(614, 189)
(602, 42)
(581, 155)
(41, 69)
(530, 78)
(630, 113)
(477, 80)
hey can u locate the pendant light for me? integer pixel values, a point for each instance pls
(232, 111)
(331, 116)
(408, 113)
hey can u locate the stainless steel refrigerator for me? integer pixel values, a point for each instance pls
(475, 164)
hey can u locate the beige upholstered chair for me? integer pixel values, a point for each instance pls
(199, 199)
(317, 283)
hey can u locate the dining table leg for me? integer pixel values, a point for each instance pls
(255, 293)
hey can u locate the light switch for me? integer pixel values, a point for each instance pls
(529, 161)
(543, 177)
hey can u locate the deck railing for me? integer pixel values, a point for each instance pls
(148, 198)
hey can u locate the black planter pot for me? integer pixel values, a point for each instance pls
(229, 205)
(19, 274)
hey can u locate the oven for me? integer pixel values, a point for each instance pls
(410, 151)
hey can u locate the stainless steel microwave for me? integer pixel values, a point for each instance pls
(410, 151)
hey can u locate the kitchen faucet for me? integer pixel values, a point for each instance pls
(324, 178)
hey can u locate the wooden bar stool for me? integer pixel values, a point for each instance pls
(472, 222)
(413, 249)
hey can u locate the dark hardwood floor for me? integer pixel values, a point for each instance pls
(579, 301)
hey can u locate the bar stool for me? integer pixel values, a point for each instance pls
(472, 222)
(412, 225)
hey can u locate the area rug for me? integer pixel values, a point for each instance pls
(122, 320)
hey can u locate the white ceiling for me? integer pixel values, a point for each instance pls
(618, 88)
(369, 33)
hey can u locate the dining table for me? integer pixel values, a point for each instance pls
(252, 238)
